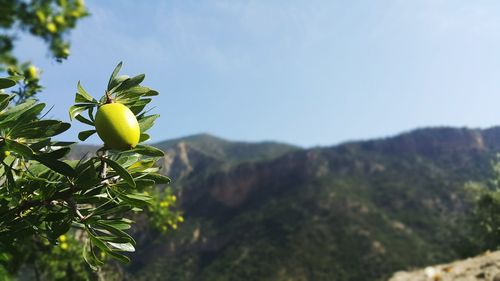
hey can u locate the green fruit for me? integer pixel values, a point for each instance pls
(41, 16)
(59, 20)
(51, 27)
(117, 126)
(65, 52)
(32, 72)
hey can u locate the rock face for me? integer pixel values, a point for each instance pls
(484, 267)
(359, 211)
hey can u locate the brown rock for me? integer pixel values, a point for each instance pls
(482, 267)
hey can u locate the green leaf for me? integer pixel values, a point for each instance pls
(18, 109)
(76, 109)
(131, 82)
(151, 93)
(134, 92)
(60, 227)
(38, 129)
(60, 153)
(19, 148)
(83, 135)
(10, 177)
(56, 165)
(119, 257)
(147, 122)
(14, 113)
(122, 247)
(144, 137)
(39, 145)
(90, 258)
(113, 230)
(140, 196)
(4, 100)
(122, 172)
(120, 224)
(91, 114)
(113, 75)
(134, 202)
(114, 239)
(144, 183)
(147, 150)
(137, 106)
(84, 120)
(6, 83)
(159, 179)
(100, 244)
(82, 96)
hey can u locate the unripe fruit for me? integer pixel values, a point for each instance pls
(32, 72)
(51, 27)
(6, 153)
(41, 16)
(117, 126)
(59, 20)
(65, 52)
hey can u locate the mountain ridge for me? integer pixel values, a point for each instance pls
(381, 205)
(360, 210)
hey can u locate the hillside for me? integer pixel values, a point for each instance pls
(357, 211)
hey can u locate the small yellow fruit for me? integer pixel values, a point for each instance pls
(64, 246)
(75, 14)
(117, 126)
(32, 72)
(59, 20)
(6, 153)
(51, 27)
(41, 16)
(62, 238)
(65, 52)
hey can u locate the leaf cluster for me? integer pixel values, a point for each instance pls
(50, 20)
(42, 195)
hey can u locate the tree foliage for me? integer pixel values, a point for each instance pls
(57, 214)
(49, 20)
(44, 196)
(482, 230)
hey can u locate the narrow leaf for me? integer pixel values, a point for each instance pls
(83, 135)
(82, 96)
(113, 75)
(147, 122)
(122, 172)
(6, 83)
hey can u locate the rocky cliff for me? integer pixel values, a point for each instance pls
(484, 267)
(352, 212)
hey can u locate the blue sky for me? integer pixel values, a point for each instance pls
(302, 72)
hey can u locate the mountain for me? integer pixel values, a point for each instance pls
(356, 211)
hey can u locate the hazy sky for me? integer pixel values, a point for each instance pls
(303, 72)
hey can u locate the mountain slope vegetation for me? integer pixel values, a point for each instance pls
(356, 211)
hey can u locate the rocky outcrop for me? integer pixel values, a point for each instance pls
(484, 267)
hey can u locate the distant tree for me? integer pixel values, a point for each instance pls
(482, 230)
(49, 20)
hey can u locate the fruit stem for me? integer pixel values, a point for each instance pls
(108, 98)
